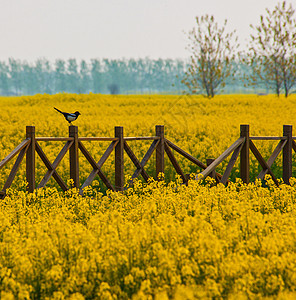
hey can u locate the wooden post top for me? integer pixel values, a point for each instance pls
(159, 130)
(118, 131)
(30, 129)
(244, 129)
(73, 129)
(287, 129)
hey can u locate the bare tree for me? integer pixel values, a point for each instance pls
(272, 50)
(213, 54)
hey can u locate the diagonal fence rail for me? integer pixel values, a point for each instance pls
(120, 145)
(244, 145)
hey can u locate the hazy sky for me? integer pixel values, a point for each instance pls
(84, 29)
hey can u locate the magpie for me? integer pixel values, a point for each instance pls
(69, 117)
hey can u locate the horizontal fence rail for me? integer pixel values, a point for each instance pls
(73, 144)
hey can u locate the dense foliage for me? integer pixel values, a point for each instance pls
(158, 240)
(154, 241)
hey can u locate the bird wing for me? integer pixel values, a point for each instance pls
(71, 117)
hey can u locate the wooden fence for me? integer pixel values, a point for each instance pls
(120, 145)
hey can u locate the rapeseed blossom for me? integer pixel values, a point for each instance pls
(202, 127)
(160, 240)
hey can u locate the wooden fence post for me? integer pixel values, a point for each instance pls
(245, 154)
(30, 159)
(159, 131)
(213, 173)
(74, 159)
(119, 159)
(287, 154)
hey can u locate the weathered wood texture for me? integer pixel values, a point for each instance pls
(97, 166)
(287, 154)
(15, 168)
(272, 158)
(186, 155)
(134, 159)
(73, 154)
(222, 157)
(231, 163)
(51, 169)
(174, 162)
(213, 173)
(245, 154)
(119, 159)
(262, 162)
(30, 159)
(159, 132)
(14, 152)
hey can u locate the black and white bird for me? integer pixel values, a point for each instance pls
(69, 117)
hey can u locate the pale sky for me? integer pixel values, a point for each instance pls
(85, 29)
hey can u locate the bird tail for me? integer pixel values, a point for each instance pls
(58, 110)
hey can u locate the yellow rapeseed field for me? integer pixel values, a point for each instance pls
(157, 240)
(202, 127)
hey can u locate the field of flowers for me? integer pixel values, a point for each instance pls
(202, 127)
(157, 240)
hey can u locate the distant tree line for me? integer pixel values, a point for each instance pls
(107, 76)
